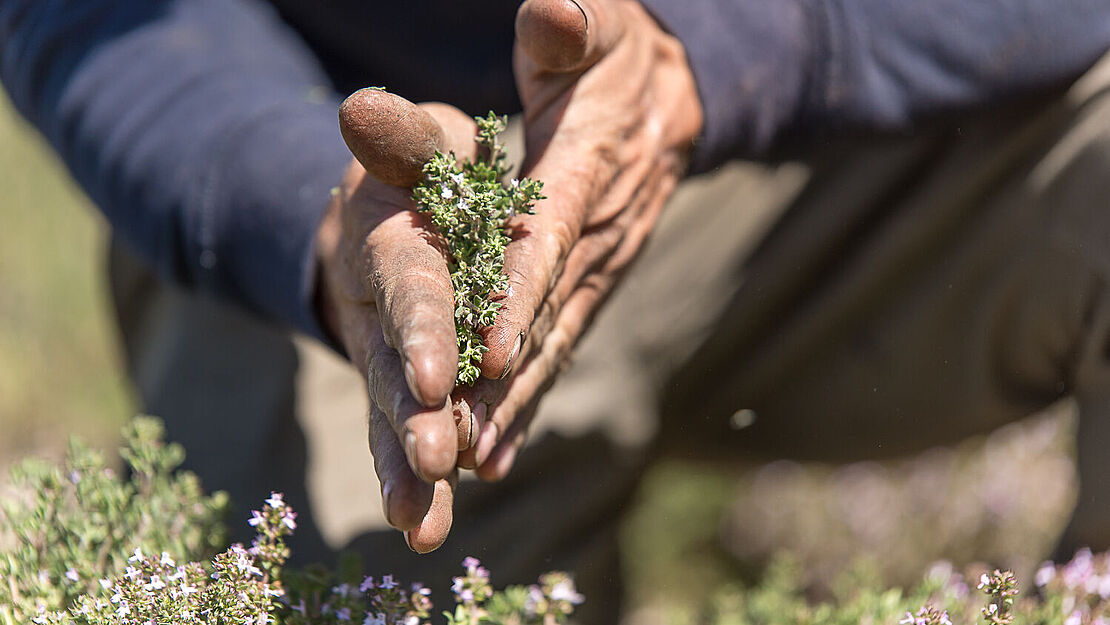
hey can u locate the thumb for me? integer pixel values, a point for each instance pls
(391, 137)
(566, 36)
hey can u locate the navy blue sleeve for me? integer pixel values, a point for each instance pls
(767, 68)
(204, 129)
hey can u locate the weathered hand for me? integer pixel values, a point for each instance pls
(611, 111)
(386, 295)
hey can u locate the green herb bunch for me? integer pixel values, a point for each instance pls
(470, 205)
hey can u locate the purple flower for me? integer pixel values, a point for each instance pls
(470, 562)
(289, 519)
(1045, 574)
(367, 584)
(1077, 571)
(388, 583)
(532, 602)
(563, 590)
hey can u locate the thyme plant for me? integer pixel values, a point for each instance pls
(67, 527)
(470, 204)
(79, 545)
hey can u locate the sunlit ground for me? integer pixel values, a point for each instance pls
(1001, 500)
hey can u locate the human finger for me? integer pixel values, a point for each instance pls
(598, 265)
(535, 259)
(514, 413)
(588, 255)
(406, 499)
(436, 524)
(427, 436)
(389, 135)
(412, 290)
(407, 270)
(583, 156)
(566, 36)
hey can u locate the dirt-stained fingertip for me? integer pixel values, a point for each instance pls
(391, 137)
(554, 33)
(434, 528)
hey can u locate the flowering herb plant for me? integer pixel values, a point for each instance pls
(470, 205)
(80, 546)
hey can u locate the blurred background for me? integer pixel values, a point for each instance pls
(1001, 499)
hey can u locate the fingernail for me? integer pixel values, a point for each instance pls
(408, 541)
(387, 490)
(410, 451)
(473, 430)
(480, 412)
(410, 378)
(512, 355)
(487, 440)
(585, 18)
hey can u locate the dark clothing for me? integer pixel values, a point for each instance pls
(206, 129)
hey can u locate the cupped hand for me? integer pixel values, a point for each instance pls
(610, 112)
(385, 295)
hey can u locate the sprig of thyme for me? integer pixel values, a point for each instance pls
(470, 205)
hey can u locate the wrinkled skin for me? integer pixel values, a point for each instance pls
(610, 113)
(608, 131)
(384, 285)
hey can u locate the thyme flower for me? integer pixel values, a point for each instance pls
(470, 206)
